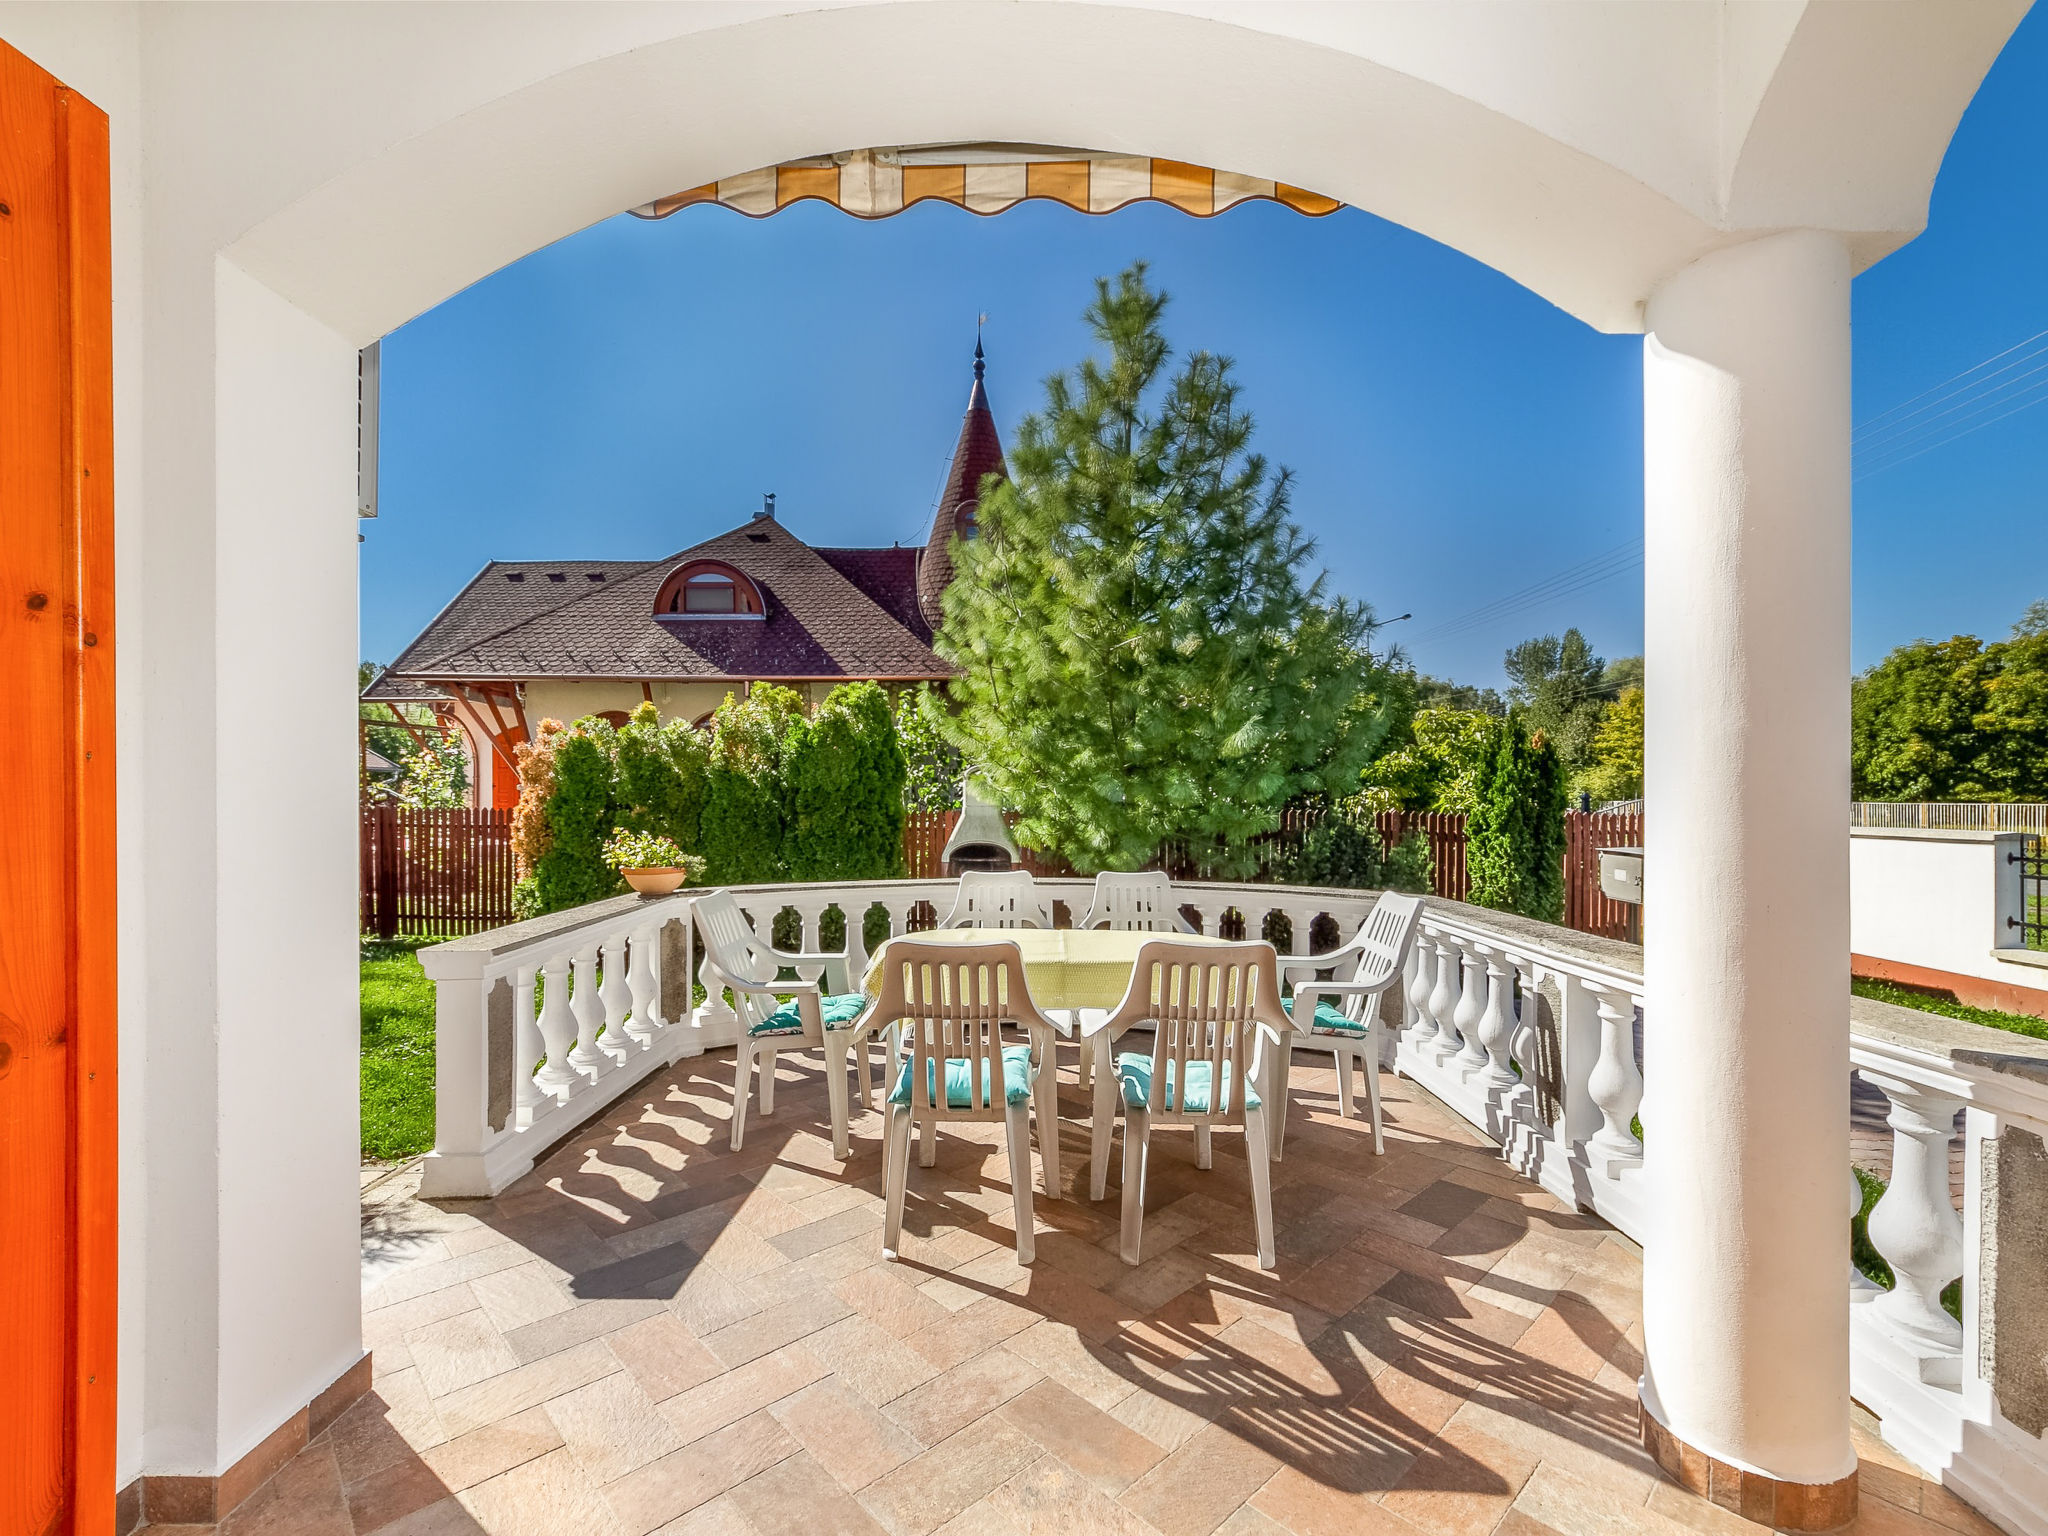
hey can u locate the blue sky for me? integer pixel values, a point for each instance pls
(1456, 440)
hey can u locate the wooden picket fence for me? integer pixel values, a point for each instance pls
(435, 872)
(449, 872)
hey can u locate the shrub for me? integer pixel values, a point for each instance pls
(659, 777)
(1515, 831)
(531, 835)
(580, 817)
(743, 817)
(843, 774)
(932, 763)
(1345, 850)
(625, 850)
(1411, 866)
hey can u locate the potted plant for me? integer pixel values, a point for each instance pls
(652, 864)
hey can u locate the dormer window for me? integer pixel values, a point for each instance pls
(708, 589)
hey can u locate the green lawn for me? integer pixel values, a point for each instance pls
(398, 1050)
(1935, 1002)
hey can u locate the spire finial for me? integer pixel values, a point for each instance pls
(979, 321)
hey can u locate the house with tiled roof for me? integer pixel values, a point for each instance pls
(528, 640)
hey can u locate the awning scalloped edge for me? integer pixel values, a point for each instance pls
(986, 179)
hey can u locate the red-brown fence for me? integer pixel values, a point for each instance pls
(435, 872)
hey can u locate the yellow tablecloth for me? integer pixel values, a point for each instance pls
(1065, 967)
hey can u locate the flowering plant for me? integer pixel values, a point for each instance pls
(649, 850)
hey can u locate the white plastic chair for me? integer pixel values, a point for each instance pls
(1214, 1010)
(743, 961)
(1348, 1028)
(1142, 903)
(998, 898)
(951, 1001)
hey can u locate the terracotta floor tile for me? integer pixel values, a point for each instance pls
(795, 1498)
(304, 1499)
(523, 1294)
(1197, 1488)
(1052, 1498)
(882, 1295)
(715, 1517)
(611, 1427)
(738, 1393)
(444, 1517)
(948, 1403)
(1462, 1481)
(392, 1493)
(1099, 1374)
(1109, 1455)
(930, 1489)
(1306, 1506)
(543, 1497)
(663, 1355)
(459, 1351)
(1679, 1509)
(484, 1453)
(514, 1391)
(652, 1495)
(1946, 1510)
(581, 1323)
(844, 1433)
(875, 1363)
(364, 1440)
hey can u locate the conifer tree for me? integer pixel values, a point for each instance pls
(1142, 656)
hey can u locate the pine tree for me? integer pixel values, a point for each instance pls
(1514, 845)
(1142, 658)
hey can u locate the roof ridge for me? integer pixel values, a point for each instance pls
(498, 634)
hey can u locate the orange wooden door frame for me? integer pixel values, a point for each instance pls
(57, 868)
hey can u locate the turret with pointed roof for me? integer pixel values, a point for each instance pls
(979, 452)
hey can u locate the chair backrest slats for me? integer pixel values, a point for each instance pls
(954, 1000)
(1206, 1004)
(998, 898)
(1140, 903)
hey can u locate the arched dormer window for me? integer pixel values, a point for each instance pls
(708, 589)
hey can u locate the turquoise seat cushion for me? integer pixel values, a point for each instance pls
(840, 1010)
(1328, 1016)
(1135, 1072)
(960, 1083)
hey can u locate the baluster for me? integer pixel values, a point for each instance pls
(1301, 924)
(526, 1046)
(1523, 1045)
(810, 914)
(1443, 1001)
(1495, 1025)
(557, 1030)
(589, 1057)
(1858, 1281)
(616, 994)
(1913, 1225)
(646, 987)
(1471, 1007)
(1212, 917)
(1615, 1086)
(1421, 982)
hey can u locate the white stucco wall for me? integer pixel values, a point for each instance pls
(291, 182)
(1941, 900)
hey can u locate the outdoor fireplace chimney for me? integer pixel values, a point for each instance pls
(979, 840)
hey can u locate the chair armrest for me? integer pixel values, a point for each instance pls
(1310, 964)
(838, 970)
(764, 988)
(1347, 988)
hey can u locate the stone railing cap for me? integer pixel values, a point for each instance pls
(494, 941)
(1958, 1040)
(1612, 954)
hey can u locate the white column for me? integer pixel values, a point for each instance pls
(1746, 517)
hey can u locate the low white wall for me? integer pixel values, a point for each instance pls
(1941, 900)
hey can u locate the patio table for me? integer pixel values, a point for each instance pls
(1070, 969)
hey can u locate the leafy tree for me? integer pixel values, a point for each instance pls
(933, 763)
(1142, 659)
(1955, 719)
(440, 783)
(1514, 846)
(844, 772)
(432, 777)
(1616, 772)
(1437, 769)
(744, 814)
(580, 816)
(660, 777)
(1437, 693)
(1562, 686)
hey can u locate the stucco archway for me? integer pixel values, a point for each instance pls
(295, 181)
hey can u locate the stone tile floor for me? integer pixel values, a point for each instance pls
(651, 1333)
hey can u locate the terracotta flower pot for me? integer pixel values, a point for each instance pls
(656, 880)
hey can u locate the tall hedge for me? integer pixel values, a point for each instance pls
(580, 815)
(843, 776)
(742, 822)
(660, 777)
(1514, 845)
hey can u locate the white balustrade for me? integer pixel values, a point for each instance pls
(1473, 1008)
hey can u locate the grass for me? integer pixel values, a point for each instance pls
(398, 1050)
(1943, 1003)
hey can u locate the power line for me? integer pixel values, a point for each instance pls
(1575, 578)
(1969, 402)
(1944, 442)
(1944, 384)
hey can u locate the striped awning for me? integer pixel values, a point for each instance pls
(987, 178)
